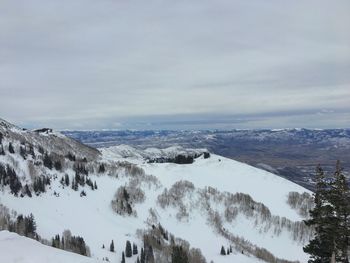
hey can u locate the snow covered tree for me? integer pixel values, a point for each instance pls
(222, 252)
(66, 179)
(111, 247)
(101, 168)
(58, 165)
(11, 150)
(123, 258)
(128, 250)
(27, 191)
(47, 161)
(134, 249)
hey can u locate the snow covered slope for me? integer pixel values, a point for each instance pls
(209, 203)
(18, 249)
(129, 153)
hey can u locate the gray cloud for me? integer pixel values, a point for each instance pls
(106, 64)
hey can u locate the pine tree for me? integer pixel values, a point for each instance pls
(58, 165)
(128, 250)
(143, 255)
(66, 179)
(138, 260)
(111, 247)
(123, 258)
(179, 255)
(47, 161)
(222, 252)
(339, 197)
(11, 150)
(101, 169)
(134, 249)
(322, 247)
(27, 191)
(29, 226)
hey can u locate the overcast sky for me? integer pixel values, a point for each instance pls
(175, 64)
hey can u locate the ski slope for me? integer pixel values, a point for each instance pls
(93, 218)
(18, 249)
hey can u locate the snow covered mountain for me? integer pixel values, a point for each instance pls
(157, 199)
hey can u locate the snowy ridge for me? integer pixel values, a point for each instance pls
(128, 152)
(51, 141)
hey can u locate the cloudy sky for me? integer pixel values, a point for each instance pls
(175, 64)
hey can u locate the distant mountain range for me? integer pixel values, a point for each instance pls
(291, 153)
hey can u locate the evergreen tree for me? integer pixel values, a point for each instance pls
(47, 161)
(27, 191)
(179, 255)
(138, 260)
(11, 150)
(134, 249)
(58, 165)
(222, 252)
(142, 258)
(66, 179)
(339, 197)
(62, 181)
(128, 250)
(123, 258)
(322, 246)
(29, 226)
(101, 168)
(111, 247)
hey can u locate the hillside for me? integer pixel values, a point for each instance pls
(18, 249)
(148, 197)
